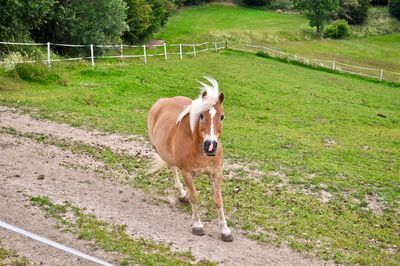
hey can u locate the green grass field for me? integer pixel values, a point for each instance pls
(322, 133)
(287, 32)
(218, 21)
(377, 51)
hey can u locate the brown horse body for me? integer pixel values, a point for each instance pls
(185, 134)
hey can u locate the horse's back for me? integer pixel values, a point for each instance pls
(162, 122)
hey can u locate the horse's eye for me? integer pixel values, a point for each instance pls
(222, 117)
(201, 116)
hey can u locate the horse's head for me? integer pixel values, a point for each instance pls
(206, 115)
(210, 125)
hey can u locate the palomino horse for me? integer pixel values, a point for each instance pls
(185, 134)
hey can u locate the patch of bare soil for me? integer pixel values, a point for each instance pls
(31, 168)
(374, 203)
(133, 145)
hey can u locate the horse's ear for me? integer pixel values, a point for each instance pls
(204, 94)
(221, 97)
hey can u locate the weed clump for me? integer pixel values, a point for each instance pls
(36, 73)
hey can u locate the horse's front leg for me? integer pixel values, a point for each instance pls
(197, 226)
(226, 233)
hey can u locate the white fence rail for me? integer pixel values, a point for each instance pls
(137, 51)
(376, 73)
(123, 51)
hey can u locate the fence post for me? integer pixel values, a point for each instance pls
(48, 55)
(226, 44)
(381, 76)
(144, 54)
(194, 50)
(165, 52)
(92, 54)
(122, 52)
(180, 51)
(207, 47)
(216, 47)
(334, 65)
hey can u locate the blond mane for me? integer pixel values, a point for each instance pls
(201, 104)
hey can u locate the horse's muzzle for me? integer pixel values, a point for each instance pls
(210, 147)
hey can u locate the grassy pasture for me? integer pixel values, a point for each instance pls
(287, 32)
(377, 51)
(219, 21)
(313, 134)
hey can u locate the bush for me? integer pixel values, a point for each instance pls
(35, 72)
(11, 60)
(257, 2)
(337, 30)
(354, 11)
(394, 8)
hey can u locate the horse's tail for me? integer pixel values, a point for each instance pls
(156, 164)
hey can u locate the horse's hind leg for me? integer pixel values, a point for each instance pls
(178, 185)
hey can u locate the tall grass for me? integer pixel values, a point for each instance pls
(379, 22)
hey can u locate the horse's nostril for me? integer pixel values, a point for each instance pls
(210, 147)
(215, 145)
(207, 144)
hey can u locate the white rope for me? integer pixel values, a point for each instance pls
(53, 244)
(132, 46)
(393, 73)
(69, 45)
(357, 73)
(366, 68)
(19, 43)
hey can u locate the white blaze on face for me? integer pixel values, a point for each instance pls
(211, 137)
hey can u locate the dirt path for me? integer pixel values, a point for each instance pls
(72, 177)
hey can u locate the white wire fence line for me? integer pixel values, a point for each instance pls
(135, 51)
(123, 51)
(376, 73)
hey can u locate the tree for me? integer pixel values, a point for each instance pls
(139, 19)
(161, 9)
(19, 17)
(84, 22)
(317, 11)
(394, 8)
(146, 16)
(354, 11)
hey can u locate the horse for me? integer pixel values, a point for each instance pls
(186, 134)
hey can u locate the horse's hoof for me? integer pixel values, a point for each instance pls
(184, 199)
(198, 231)
(227, 238)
